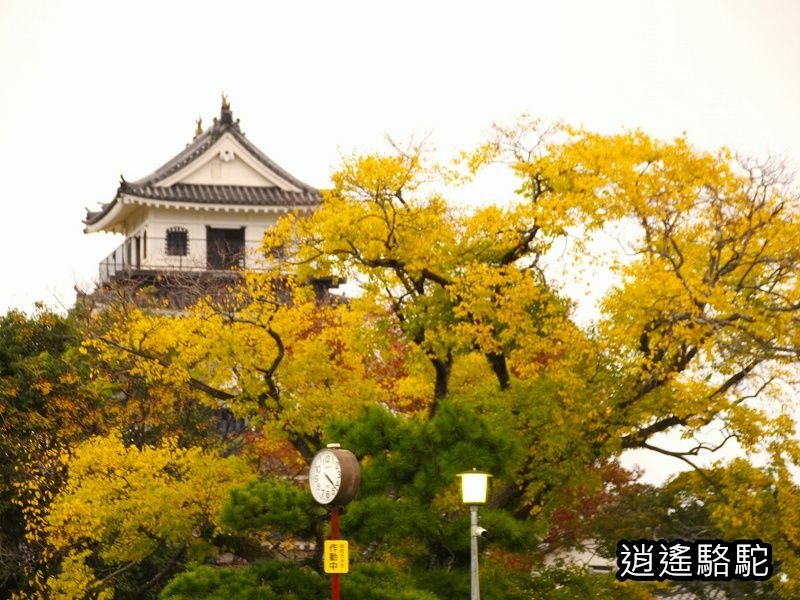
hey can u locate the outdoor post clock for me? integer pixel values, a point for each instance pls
(334, 476)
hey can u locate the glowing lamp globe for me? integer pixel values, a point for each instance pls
(474, 487)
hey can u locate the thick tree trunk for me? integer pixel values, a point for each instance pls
(500, 368)
(443, 369)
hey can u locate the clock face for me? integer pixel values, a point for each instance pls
(325, 477)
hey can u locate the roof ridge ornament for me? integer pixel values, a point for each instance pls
(280, 191)
(198, 130)
(225, 113)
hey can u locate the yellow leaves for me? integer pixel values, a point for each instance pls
(713, 284)
(324, 373)
(470, 372)
(377, 176)
(709, 291)
(43, 386)
(76, 579)
(375, 220)
(69, 378)
(754, 511)
(8, 390)
(125, 503)
(479, 157)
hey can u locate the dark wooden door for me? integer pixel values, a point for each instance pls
(224, 248)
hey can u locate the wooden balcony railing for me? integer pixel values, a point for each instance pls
(151, 255)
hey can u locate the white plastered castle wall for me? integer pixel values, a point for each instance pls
(151, 225)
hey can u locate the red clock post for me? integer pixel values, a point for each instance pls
(334, 478)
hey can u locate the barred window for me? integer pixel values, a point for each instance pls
(177, 241)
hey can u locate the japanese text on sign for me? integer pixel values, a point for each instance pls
(708, 560)
(336, 559)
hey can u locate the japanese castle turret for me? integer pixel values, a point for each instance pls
(204, 212)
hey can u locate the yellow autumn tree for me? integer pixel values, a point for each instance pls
(702, 325)
(455, 283)
(703, 316)
(269, 351)
(125, 508)
(700, 330)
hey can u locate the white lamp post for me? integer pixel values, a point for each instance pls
(474, 488)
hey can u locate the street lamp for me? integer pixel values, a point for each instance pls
(474, 488)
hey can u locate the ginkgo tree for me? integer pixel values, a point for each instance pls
(125, 509)
(704, 319)
(455, 307)
(55, 397)
(705, 316)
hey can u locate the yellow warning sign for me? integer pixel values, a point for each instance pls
(337, 557)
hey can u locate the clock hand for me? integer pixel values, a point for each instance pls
(329, 479)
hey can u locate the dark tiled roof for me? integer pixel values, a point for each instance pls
(225, 194)
(92, 216)
(211, 194)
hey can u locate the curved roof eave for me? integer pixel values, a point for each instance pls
(108, 218)
(103, 219)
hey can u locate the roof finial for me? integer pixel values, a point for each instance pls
(225, 114)
(198, 131)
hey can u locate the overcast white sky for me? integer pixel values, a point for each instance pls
(92, 90)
